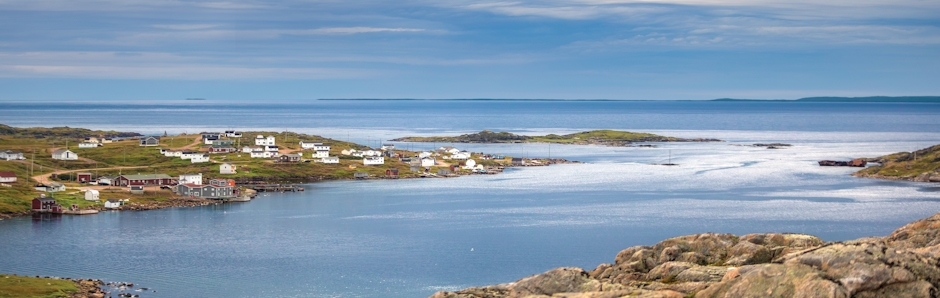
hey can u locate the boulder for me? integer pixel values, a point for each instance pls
(775, 280)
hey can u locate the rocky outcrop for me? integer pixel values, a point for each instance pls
(903, 264)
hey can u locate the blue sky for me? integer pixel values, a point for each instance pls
(561, 49)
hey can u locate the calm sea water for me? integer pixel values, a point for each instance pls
(409, 238)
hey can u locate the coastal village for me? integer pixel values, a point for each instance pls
(77, 176)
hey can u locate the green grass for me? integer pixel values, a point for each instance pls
(21, 286)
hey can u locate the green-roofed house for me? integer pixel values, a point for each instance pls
(143, 179)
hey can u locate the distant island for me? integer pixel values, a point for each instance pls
(883, 99)
(594, 137)
(195, 98)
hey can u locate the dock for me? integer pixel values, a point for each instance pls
(274, 188)
(80, 212)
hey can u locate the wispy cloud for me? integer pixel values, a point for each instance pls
(185, 26)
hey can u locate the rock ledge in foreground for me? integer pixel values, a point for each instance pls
(903, 264)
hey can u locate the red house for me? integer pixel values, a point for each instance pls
(83, 177)
(147, 179)
(391, 173)
(44, 204)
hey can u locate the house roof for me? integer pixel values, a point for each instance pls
(293, 155)
(55, 184)
(60, 151)
(114, 200)
(7, 174)
(45, 199)
(146, 177)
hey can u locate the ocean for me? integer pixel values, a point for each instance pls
(410, 238)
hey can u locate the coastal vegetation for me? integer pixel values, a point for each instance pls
(920, 165)
(23, 286)
(594, 137)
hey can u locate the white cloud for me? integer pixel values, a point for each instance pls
(113, 65)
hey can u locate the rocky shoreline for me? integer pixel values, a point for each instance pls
(905, 263)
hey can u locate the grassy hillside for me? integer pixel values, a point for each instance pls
(919, 165)
(60, 132)
(127, 157)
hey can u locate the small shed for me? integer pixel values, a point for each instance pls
(361, 175)
(92, 195)
(391, 173)
(83, 177)
(137, 189)
(113, 203)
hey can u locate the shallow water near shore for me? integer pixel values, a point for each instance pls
(410, 238)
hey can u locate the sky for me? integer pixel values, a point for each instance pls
(81, 50)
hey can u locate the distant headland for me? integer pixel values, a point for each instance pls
(873, 99)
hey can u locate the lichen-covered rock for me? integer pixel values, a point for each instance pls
(668, 270)
(903, 264)
(702, 274)
(560, 280)
(775, 280)
(921, 233)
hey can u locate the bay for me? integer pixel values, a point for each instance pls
(409, 238)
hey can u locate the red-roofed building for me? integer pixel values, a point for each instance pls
(7, 177)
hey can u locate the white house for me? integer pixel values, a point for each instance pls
(357, 154)
(264, 141)
(371, 153)
(314, 146)
(171, 153)
(92, 140)
(209, 141)
(449, 149)
(424, 154)
(64, 154)
(428, 162)
(227, 168)
(321, 154)
(348, 151)
(88, 145)
(374, 160)
(263, 154)
(232, 134)
(271, 148)
(107, 141)
(7, 177)
(330, 159)
(199, 159)
(91, 195)
(104, 180)
(388, 147)
(113, 203)
(191, 179)
(247, 149)
(189, 154)
(469, 164)
(460, 155)
(11, 155)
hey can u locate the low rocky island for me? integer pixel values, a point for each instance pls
(594, 137)
(920, 166)
(905, 263)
